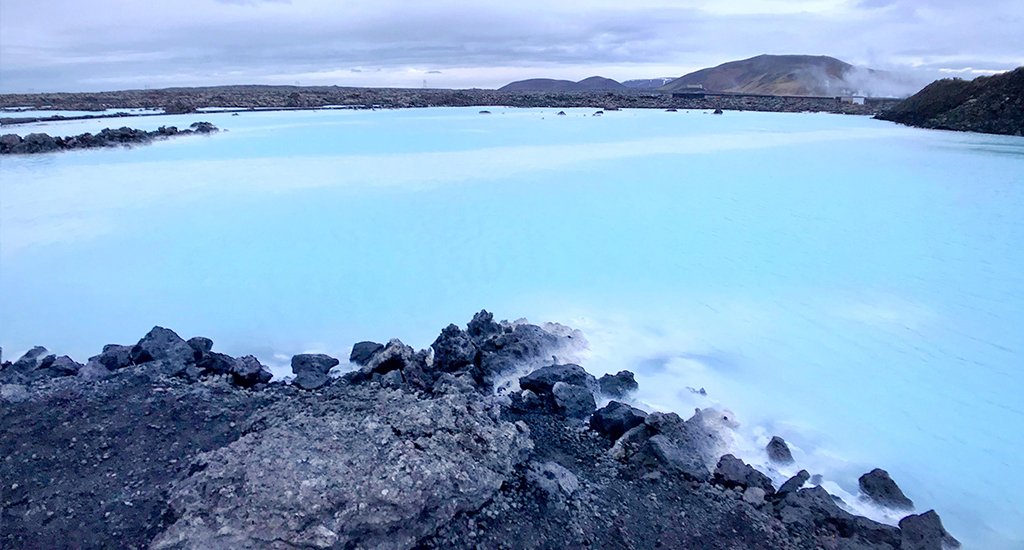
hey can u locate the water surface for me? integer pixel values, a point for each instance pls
(854, 286)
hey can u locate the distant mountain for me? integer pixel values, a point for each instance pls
(795, 75)
(592, 84)
(990, 104)
(648, 83)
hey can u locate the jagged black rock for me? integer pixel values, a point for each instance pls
(168, 444)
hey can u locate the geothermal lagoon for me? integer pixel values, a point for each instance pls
(854, 286)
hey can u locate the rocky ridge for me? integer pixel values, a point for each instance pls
(13, 144)
(483, 440)
(989, 104)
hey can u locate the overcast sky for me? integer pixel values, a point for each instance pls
(88, 45)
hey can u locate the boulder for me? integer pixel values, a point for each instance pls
(64, 366)
(36, 143)
(542, 380)
(311, 370)
(203, 127)
(395, 355)
(794, 483)
(522, 345)
(216, 363)
(526, 401)
(114, 357)
(880, 488)
(660, 453)
(615, 419)
(200, 345)
(754, 496)
(366, 468)
(573, 401)
(482, 326)
(363, 352)
(454, 350)
(925, 532)
(247, 372)
(94, 370)
(161, 343)
(732, 472)
(8, 142)
(814, 510)
(778, 451)
(553, 480)
(618, 385)
(31, 360)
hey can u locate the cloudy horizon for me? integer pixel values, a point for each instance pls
(65, 45)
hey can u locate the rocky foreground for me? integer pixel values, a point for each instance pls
(483, 440)
(13, 144)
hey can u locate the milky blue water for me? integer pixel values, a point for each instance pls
(854, 286)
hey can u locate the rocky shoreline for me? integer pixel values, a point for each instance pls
(36, 143)
(188, 100)
(988, 104)
(482, 440)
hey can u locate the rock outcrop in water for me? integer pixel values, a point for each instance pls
(13, 144)
(168, 444)
(989, 104)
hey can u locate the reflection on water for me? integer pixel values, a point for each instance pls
(854, 286)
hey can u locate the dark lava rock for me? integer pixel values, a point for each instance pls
(36, 143)
(454, 350)
(665, 443)
(778, 451)
(114, 357)
(618, 385)
(151, 459)
(733, 472)
(124, 136)
(247, 372)
(90, 465)
(992, 104)
(925, 532)
(482, 326)
(815, 510)
(311, 370)
(203, 127)
(8, 142)
(662, 453)
(162, 343)
(526, 401)
(360, 467)
(542, 380)
(216, 363)
(615, 419)
(573, 401)
(879, 487)
(794, 483)
(64, 366)
(508, 351)
(200, 345)
(31, 360)
(362, 352)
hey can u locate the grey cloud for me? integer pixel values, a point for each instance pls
(50, 46)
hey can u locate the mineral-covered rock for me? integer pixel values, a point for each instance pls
(879, 487)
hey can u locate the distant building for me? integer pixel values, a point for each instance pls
(854, 99)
